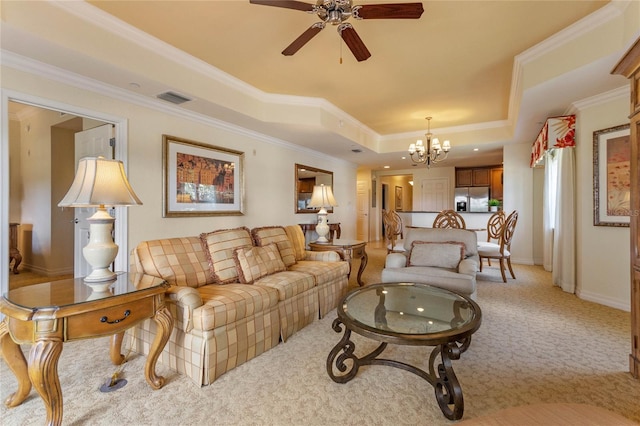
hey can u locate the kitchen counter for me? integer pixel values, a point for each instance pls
(424, 219)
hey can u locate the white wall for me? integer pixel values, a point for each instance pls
(269, 164)
(603, 270)
(518, 195)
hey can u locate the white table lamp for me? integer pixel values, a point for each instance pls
(99, 182)
(322, 197)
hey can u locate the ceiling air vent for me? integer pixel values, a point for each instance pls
(356, 150)
(173, 97)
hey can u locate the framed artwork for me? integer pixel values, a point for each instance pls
(201, 179)
(611, 176)
(398, 198)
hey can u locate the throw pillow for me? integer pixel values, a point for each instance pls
(275, 234)
(219, 246)
(257, 262)
(441, 255)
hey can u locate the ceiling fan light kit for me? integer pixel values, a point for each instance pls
(335, 12)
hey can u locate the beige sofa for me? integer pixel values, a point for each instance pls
(445, 258)
(236, 293)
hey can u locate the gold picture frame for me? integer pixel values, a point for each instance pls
(611, 176)
(201, 179)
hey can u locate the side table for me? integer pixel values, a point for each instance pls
(348, 250)
(49, 314)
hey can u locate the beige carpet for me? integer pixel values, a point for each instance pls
(536, 345)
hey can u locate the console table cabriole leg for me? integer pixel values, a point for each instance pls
(164, 322)
(115, 349)
(17, 364)
(363, 264)
(43, 372)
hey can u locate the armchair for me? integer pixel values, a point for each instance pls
(445, 258)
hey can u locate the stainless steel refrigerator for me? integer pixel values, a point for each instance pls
(472, 199)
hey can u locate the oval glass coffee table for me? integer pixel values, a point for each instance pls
(407, 314)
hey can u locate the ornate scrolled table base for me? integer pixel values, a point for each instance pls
(407, 314)
(443, 379)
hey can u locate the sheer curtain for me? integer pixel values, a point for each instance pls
(559, 218)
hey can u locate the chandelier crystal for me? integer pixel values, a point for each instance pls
(430, 153)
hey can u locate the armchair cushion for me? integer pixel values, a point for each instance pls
(441, 255)
(257, 262)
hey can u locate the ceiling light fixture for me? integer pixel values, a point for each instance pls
(432, 153)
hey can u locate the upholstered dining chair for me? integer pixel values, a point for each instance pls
(449, 219)
(502, 250)
(494, 229)
(393, 231)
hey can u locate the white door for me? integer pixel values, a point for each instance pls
(435, 194)
(362, 214)
(90, 143)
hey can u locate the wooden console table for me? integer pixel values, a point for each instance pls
(48, 314)
(334, 229)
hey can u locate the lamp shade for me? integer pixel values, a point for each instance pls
(100, 182)
(322, 197)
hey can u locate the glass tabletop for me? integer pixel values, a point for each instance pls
(74, 291)
(410, 309)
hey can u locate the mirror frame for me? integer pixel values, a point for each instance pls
(297, 186)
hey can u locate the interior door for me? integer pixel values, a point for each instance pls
(89, 143)
(435, 194)
(362, 200)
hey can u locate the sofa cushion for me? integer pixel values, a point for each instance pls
(323, 272)
(220, 247)
(180, 261)
(440, 255)
(275, 234)
(229, 303)
(256, 262)
(287, 283)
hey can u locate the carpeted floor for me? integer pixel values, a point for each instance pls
(536, 344)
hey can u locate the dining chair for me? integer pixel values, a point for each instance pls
(392, 230)
(502, 250)
(449, 219)
(494, 229)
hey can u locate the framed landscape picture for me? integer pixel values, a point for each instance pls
(611, 176)
(201, 179)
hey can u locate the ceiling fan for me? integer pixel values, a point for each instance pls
(336, 12)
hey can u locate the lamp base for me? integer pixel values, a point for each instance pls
(101, 250)
(322, 228)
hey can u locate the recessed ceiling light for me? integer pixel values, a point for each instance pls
(386, 167)
(476, 149)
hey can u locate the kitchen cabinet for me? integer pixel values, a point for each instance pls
(496, 184)
(475, 176)
(306, 185)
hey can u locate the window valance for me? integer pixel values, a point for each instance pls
(557, 132)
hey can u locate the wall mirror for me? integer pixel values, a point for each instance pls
(306, 178)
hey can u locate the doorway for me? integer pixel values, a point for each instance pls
(38, 143)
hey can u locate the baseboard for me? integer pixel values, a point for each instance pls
(623, 305)
(47, 272)
(521, 261)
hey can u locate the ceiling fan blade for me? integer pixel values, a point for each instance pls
(303, 39)
(354, 42)
(389, 11)
(287, 4)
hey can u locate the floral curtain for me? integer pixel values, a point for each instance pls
(559, 198)
(557, 132)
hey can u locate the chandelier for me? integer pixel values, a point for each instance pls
(431, 153)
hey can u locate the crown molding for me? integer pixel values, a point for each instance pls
(31, 66)
(622, 92)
